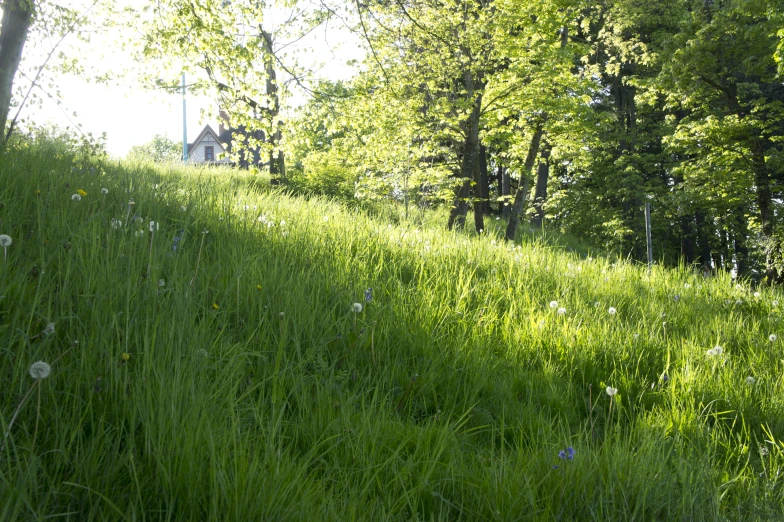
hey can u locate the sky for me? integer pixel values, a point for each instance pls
(131, 115)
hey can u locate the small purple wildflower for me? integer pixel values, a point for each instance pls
(368, 295)
(177, 239)
(567, 454)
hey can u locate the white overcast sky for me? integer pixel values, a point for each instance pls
(131, 115)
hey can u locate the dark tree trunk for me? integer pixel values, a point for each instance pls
(469, 165)
(522, 190)
(17, 16)
(457, 213)
(740, 243)
(277, 164)
(687, 239)
(506, 191)
(479, 199)
(703, 239)
(484, 179)
(540, 196)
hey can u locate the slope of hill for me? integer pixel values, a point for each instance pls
(216, 352)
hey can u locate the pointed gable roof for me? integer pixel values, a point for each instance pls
(206, 130)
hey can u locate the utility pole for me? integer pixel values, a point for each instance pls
(184, 125)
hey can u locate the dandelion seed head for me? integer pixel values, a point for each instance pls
(611, 391)
(561, 311)
(48, 330)
(612, 311)
(553, 304)
(686, 286)
(161, 283)
(772, 338)
(5, 240)
(76, 197)
(357, 308)
(756, 294)
(104, 191)
(40, 370)
(775, 303)
(750, 380)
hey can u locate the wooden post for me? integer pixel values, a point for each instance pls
(648, 234)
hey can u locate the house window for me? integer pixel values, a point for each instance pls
(209, 153)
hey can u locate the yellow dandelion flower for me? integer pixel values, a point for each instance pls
(81, 192)
(215, 306)
(258, 287)
(125, 357)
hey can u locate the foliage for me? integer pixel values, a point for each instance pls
(160, 149)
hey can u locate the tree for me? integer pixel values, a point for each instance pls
(17, 17)
(160, 149)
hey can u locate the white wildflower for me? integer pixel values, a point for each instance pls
(48, 330)
(40, 370)
(611, 391)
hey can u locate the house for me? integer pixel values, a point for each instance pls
(214, 148)
(208, 148)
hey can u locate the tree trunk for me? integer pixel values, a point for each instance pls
(506, 191)
(479, 194)
(469, 165)
(687, 239)
(540, 196)
(522, 190)
(17, 16)
(703, 240)
(457, 213)
(277, 164)
(484, 179)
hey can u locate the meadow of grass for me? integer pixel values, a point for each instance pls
(212, 366)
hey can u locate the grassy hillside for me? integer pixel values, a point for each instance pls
(225, 376)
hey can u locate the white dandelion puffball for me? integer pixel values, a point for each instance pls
(154, 226)
(716, 350)
(738, 287)
(612, 311)
(48, 330)
(561, 311)
(756, 294)
(775, 303)
(161, 283)
(611, 391)
(553, 304)
(597, 304)
(5, 240)
(772, 338)
(40, 370)
(357, 308)
(686, 286)
(76, 197)
(750, 380)
(104, 191)
(326, 218)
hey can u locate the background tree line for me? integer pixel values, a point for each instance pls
(570, 114)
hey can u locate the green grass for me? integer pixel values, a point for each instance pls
(448, 397)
